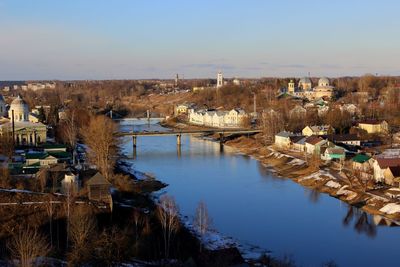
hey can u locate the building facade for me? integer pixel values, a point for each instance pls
(218, 119)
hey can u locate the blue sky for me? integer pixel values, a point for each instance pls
(131, 39)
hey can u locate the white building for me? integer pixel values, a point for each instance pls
(217, 119)
(20, 109)
(304, 89)
(25, 132)
(236, 82)
(220, 80)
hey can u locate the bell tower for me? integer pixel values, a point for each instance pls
(291, 87)
(220, 79)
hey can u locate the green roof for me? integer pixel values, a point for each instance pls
(36, 155)
(52, 146)
(36, 164)
(361, 158)
(60, 154)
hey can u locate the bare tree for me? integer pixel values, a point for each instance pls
(99, 136)
(167, 213)
(137, 220)
(7, 143)
(28, 244)
(202, 220)
(82, 228)
(50, 211)
(70, 131)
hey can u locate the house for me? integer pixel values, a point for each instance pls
(363, 165)
(313, 144)
(99, 188)
(182, 109)
(386, 169)
(218, 119)
(318, 130)
(348, 139)
(282, 139)
(374, 126)
(40, 159)
(332, 153)
(298, 143)
(62, 157)
(234, 117)
(70, 182)
(350, 108)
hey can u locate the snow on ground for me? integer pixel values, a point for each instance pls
(214, 240)
(343, 191)
(318, 176)
(138, 174)
(333, 184)
(297, 162)
(20, 191)
(391, 208)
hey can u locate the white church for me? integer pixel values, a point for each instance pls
(27, 129)
(304, 89)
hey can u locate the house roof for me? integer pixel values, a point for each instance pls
(395, 170)
(388, 162)
(60, 154)
(53, 146)
(318, 128)
(313, 140)
(36, 155)
(296, 138)
(98, 179)
(335, 150)
(343, 137)
(360, 158)
(284, 134)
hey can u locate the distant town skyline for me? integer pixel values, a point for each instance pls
(45, 39)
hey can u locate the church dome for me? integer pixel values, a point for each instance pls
(305, 83)
(323, 82)
(20, 108)
(305, 80)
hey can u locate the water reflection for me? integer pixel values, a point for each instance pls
(179, 151)
(363, 223)
(313, 195)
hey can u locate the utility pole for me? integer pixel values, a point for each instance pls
(13, 126)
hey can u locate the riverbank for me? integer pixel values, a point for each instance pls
(323, 177)
(319, 176)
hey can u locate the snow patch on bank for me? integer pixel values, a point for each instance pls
(213, 240)
(391, 208)
(332, 184)
(297, 162)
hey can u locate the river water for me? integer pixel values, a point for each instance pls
(247, 202)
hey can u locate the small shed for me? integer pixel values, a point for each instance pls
(99, 188)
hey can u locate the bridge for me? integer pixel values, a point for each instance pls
(179, 133)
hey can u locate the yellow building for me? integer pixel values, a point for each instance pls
(318, 130)
(374, 126)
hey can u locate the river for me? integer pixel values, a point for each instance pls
(247, 202)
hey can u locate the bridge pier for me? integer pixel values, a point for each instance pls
(221, 138)
(178, 139)
(134, 140)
